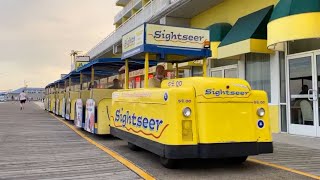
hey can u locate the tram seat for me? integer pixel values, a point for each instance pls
(307, 112)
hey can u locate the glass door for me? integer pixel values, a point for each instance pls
(302, 96)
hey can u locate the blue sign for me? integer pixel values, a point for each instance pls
(260, 124)
(166, 96)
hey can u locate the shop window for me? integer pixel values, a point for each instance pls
(283, 110)
(257, 70)
(186, 73)
(196, 71)
(304, 45)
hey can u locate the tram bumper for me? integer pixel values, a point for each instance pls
(217, 150)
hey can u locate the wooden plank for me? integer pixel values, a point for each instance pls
(33, 145)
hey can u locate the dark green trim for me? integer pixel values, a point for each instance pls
(252, 26)
(214, 150)
(292, 7)
(218, 31)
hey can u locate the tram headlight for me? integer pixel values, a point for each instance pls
(261, 112)
(186, 112)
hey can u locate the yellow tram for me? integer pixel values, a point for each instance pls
(60, 95)
(95, 99)
(46, 97)
(72, 91)
(51, 98)
(196, 117)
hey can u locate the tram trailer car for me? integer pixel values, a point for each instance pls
(195, 117)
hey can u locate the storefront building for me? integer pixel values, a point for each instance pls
(275, 46)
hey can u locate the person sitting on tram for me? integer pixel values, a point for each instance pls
(92, 86)
(155, 82)
(116, 84)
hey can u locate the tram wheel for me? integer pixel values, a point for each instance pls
(238, 160)
(168, 163)
(133, 147)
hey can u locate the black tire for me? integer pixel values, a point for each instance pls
(169, 163)
(238, 160)
(133, 147)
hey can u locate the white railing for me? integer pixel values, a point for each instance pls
(151, 9)
(126, 9)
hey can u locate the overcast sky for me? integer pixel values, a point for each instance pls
(36, 37)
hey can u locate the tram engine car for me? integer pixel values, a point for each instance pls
(194, 118)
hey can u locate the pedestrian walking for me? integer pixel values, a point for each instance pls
(23, 99)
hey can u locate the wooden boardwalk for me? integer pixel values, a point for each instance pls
(295, 157)
(34, 145)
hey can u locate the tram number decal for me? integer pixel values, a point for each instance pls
(174, 83)
(259, 102)
(184, 100)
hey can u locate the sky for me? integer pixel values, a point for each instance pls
(37, 36)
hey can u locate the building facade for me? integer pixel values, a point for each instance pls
(273, 44)
(33, 94)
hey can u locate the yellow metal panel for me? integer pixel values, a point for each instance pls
(59, 102)
(229, 11)
(204, 67)
(103, 99)
(73, 98)
(214, 49)
(84, 94)
(295, 27)
(146, 70)
(103, 125)
(99, 94)
(274, 118)
(259, 46)
(225, 126)
(243, 47)
(72, 109)
(154, 117)
(52, 102)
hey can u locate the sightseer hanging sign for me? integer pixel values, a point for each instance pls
(176, 36)
(165, 36)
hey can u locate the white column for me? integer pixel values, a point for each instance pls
(242, 67)
(275, 79)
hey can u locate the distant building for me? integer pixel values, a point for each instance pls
(3, 96)
(33, 94)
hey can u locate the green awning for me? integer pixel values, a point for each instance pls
(292, 7)
(249, 34)
(252, 26)
(293, 20)
(218, 31)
